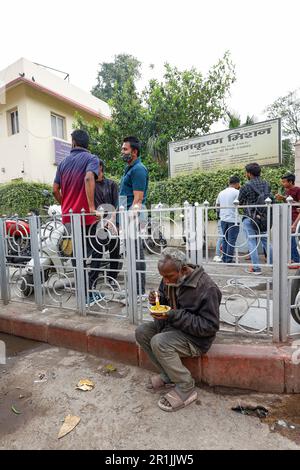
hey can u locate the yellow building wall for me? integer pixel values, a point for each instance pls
(30, 154)
(41, 144)
(14, 149)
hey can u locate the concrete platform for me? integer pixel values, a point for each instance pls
(239, 362)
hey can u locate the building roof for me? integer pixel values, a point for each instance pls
(40, 78)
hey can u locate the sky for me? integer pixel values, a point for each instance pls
(75, 36)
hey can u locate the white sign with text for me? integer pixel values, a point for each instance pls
(260, 143)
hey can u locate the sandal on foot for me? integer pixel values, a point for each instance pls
(172, 401)
(156, 384)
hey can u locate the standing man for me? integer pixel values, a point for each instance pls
(133, 193)
(288, 182)
(74, 188)
(229, 218)
(248, 195)
(107, 196)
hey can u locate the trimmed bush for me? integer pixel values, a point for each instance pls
(20, 197)
(199, 187)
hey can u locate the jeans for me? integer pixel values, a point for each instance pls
(219, 240)
(165, 350)
(230, 232)
(253, 243)
(294, 252)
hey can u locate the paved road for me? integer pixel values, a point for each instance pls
(118, 413)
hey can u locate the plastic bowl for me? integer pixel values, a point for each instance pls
(154, 313)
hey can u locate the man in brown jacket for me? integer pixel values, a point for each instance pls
(188, 330)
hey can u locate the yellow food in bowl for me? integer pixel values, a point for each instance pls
(161, 310)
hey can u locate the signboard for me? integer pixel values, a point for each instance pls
(61, 150)
(260, 143)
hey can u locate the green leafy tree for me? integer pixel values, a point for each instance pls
(116, 73)
(233, 120)
(288, 154)
(128, 118)
(185, 104)
(288, 109)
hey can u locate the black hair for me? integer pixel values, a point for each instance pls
(134, 142)
(289, 177)
(102, 164)
(253, 168)
(234, 180)
(81, 138)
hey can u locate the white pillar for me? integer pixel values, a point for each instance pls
(297, 162)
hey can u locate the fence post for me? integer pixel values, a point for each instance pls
(192, 234)
(285, 302)
(281, 303)
(186, 230)
(199, 232)
(35, 244)
(131, 241)
(276, 272)
(3, 275)
(78, 253)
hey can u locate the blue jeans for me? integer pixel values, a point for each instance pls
(220, 239)
(294, 252)
(230, 231)
(253, 243)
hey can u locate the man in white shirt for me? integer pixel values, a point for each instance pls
(229, 218)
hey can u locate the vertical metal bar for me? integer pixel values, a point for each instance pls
(206, 205)
(199, 233)
(284, 282)
(78, 252)
(193, 244)
(237, 222)
(268, 201)
(131, 235)
(35, 238)
(276, 272)
(289, 200)
(186, 229)
(124, 241)
(3, 276)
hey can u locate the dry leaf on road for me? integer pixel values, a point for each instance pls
(69, 424)
(85, 385)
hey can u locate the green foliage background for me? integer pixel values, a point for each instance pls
(199, 187)
(21, 197)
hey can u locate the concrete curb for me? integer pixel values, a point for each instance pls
(259, 367)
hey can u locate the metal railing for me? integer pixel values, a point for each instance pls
(107, 267)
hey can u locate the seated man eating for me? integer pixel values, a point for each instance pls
(187, 330)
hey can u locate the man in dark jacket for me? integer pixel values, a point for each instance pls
(189, 330)
(107, 198)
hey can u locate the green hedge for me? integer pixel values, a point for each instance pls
(199, 187)
(19, 197)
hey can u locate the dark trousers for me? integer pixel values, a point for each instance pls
(114, 254)
(93, 250)
(140, 266)
(230, 233)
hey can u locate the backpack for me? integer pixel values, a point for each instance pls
(260, 214)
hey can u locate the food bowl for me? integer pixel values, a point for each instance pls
(161, 311)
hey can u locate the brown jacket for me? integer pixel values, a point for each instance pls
(195, 307)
